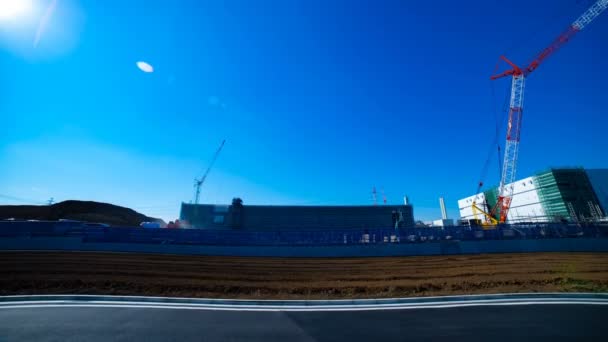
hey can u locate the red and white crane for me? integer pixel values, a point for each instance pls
(509, 168)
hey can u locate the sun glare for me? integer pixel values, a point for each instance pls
(14, 8)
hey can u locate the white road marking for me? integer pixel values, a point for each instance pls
(308, 308)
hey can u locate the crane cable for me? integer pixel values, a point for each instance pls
(498, 127)
(501, 121)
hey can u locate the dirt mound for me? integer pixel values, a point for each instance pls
(299, 278)
(77, 210)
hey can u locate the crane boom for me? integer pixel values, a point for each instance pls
(516, 105)
(199, 182)
(580, 23)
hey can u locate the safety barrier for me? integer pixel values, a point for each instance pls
(317, 237)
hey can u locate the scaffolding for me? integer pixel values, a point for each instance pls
(567, 194)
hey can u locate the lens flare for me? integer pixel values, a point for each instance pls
(14, 8)
(145, 67)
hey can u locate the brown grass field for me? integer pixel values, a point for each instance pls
(298, 278)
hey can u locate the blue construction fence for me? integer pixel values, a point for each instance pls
(97, 234)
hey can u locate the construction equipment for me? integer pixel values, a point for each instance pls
(199, 182)
(489, 221)
(519, 75)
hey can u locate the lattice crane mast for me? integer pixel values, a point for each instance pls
(198, 182)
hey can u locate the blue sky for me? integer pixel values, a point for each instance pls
(319, 101)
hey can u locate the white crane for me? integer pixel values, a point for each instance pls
(198, 182)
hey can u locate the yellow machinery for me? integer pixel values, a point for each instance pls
(489, 222)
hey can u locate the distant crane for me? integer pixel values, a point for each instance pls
(374, 196)
(199, 182)
(509, 165)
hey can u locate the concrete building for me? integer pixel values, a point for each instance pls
(554, 195)
(270, 217)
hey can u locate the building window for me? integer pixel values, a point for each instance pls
(218, 219)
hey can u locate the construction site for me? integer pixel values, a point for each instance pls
(335, 150)
(565, 195)
(557, 195)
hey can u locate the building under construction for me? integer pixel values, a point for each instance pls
(557, 195)
(290, 217)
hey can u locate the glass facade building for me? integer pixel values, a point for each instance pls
(556, 195)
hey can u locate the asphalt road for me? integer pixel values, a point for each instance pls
(553, 322)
